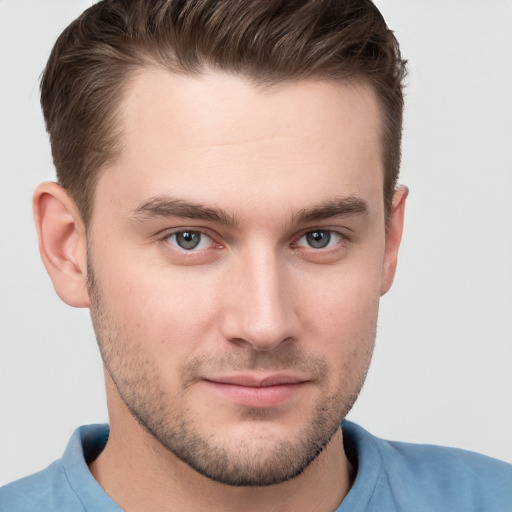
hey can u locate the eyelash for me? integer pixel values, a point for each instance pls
(193, 250)
(332, 234)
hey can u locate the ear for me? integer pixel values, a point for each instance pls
(394, 228)
(62, 243)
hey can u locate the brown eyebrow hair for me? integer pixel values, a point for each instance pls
(166, 206)
(338, 207)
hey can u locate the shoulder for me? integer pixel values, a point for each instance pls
(66, 484)
(433, 477)
(461, 476)
(47, 490)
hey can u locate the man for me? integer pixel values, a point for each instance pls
(227, 208)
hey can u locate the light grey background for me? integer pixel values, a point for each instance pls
(442, 371)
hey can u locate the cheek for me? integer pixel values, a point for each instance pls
(348, 339)
(339, 317)
(343, 299)
(161, 306)
(346, 327)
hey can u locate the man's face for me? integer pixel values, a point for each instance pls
(236, 263)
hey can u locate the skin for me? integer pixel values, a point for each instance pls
(253, 346)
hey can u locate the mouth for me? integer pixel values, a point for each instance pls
(258, 391)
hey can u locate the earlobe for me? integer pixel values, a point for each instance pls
(62, 243)
(394, 229)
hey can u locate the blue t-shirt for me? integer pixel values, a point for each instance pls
(391, 477)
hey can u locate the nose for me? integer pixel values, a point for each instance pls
(259, 304)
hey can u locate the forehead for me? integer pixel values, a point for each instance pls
(204, 104)
(216, 138)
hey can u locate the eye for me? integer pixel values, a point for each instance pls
(319, 239)
(188, 240)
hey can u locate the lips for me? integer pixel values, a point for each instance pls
(251, 390)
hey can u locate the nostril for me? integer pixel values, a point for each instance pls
(262, 342)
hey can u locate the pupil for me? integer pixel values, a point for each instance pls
(188, 239)
(318, 239)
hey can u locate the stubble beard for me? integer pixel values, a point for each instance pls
(246, 462)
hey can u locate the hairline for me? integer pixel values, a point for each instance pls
(148, 64)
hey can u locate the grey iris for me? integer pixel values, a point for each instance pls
(318, 239)
(188, 239)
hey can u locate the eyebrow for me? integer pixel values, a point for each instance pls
(166, 206)
(338, 207)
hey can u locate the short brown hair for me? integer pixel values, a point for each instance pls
(267, 41)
